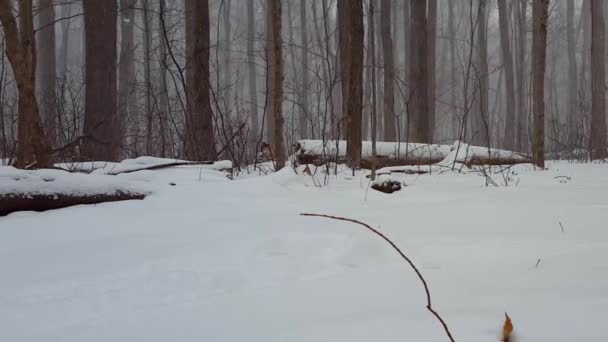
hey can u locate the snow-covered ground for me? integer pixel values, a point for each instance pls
(209, 259)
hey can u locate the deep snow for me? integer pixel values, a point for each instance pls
(216, 260)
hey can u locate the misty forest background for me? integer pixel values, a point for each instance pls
(245, 80)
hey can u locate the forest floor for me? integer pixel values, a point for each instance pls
(210, 259)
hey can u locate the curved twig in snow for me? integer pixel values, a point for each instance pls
(408, 260)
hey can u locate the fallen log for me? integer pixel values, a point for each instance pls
(10, 203)
(319, 152)
(47, 189)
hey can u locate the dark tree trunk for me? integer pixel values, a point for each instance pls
(419, 74)
(47, 75)
(303, 118)
(354, 109)
(572, 77)
(390, 123)
(126, 71)
(33, 149)
(102, 126)
(253, 92)
(480, 123)
(199, 137)
(432, 46)
(598, 81)
(276, 60)
(540, 10)
(507, 58)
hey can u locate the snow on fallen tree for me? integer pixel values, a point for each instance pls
(141, 164)
(319, 152)
(41, 190)
(467, 155)
(390, 155)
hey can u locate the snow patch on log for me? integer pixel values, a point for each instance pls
(139, 164)
(44, 189)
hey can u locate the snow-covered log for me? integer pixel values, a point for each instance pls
(40, 190)
(390, 154)
(319, 152)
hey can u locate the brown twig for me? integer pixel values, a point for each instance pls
(424, 284)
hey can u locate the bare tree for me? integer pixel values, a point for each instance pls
(126, 69)
(276, 91)
(540, 15)
(199, 137)
(572, 77)
(480, 121)
(47, 75)
(507, 58)
(390, 131)
(102, 129)
(419, 74)
(253, 92)
(598, 81)
(303, 122)
(353, 55)
(432, 46)
(33, 149)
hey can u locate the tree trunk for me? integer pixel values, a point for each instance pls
(507, 58)
(343, 45)
(66, 12)
(572, 77)
(147, 23)
(200, 141)
(540, 9)
(226, 65)
(46, 68)
(480, 128)
(276, 60)
(303, 118)
(102, 126)
(419, 75)
(522, 95)
(432, 46)
(33, 149)
(373, 116)
(598, 81)
(253, 92)
(354, 109)
(126, 72)
(453, 79)
(390, 131)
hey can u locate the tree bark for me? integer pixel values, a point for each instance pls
(147, 23)
(572, 77)
(419, 74)
(126, 71)
(46, 68)
(390, 126)
(480, 123)
(432, 46)
(354, 109)
(253, 92)
(276, 60)
(453, 79)
(598, 81)
(304, 113)
(373, 116)
(507, 58)
(540, 16)
(199, 136)
(33, 148)
(102, 126)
